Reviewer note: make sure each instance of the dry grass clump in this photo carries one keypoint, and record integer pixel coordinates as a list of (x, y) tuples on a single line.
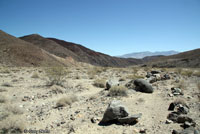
[(57, 89), (93, 71), (100, 83), (66, 100), (12, 125), (56, 75), (118, 91), (187, 73), (35, 75)]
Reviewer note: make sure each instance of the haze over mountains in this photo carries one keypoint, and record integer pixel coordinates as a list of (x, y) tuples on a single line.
[(35, 50), (140, 55)]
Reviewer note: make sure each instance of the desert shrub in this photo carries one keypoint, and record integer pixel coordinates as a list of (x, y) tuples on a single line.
[(35, 75), (92, 72), (66, 100), (57, 89), (118, 91), (12, 125), (187, 73), (56, 75), (100, 83), (6, 84), (179, 70)]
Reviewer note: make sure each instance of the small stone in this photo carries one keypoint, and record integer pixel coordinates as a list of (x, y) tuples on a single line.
[(143, 131), (168, 122)]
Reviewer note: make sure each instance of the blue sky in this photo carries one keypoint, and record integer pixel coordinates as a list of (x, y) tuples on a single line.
[(113, 27)]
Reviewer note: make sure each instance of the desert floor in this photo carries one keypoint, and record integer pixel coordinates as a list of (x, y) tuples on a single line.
[(28, 102)]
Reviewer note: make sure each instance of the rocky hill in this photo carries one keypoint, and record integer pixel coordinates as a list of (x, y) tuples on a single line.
[(16, 52)]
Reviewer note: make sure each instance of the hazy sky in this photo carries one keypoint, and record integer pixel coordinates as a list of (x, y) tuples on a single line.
[(113, 27)]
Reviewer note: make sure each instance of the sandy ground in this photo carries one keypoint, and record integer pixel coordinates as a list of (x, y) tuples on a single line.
[(35, 102)]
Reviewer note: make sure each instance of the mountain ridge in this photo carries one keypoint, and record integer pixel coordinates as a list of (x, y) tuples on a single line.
[(140, 55)]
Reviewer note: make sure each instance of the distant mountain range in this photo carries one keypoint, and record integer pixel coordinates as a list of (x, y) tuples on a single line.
[(140, 55)]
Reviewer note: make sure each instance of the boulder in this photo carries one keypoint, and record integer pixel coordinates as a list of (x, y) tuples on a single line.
[(143, 86), (118, 113), (114, 111), (111, 83)]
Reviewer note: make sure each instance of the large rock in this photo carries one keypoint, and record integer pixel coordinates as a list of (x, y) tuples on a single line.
[(111, 83), (114, 111), (118, 113), (143, 86)]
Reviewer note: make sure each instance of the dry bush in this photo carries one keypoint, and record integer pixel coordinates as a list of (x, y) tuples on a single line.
[(12, 125), (35, 75), (100, 83), (187, 73), (56, 75), (92, 72), (57, 89), (6, 84), (179, 70), (66, 100), (118, 91)]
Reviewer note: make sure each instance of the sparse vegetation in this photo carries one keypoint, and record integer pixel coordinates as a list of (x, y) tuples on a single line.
[(118, 91), (12, 125), (187, 73), (56, 75), (100, 83), (66, 100), (92, 72)]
